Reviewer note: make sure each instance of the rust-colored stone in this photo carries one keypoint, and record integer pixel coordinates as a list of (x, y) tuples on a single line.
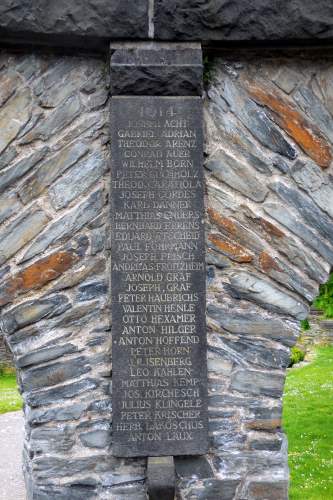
[(267, 263), (301, 131), (268, 424), (235, 252), (271, 228), (222, 222), (37, 275)]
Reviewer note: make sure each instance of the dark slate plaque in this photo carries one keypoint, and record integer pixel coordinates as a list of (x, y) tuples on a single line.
[(159, 367)]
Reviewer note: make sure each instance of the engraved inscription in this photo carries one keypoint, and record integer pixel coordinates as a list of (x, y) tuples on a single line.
[(159, 373)]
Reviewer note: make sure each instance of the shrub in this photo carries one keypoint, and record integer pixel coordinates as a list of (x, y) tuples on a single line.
[(305, 325), (296, 356), (6, 370), (207, 71), (324, 301)]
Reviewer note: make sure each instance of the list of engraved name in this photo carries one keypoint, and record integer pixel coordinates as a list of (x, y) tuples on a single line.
[(158, 273)]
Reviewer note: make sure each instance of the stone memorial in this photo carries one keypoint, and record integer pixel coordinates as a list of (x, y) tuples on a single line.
[(158, 277), (90, 406)]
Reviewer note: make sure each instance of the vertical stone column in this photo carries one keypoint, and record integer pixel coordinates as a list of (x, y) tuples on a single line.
[(158, 262)]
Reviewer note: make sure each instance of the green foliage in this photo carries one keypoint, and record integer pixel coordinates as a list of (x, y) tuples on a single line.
[(324, 301), (207, 71), (6, 370), (305, 325), (10, 399), (296, 356), (308, 422)]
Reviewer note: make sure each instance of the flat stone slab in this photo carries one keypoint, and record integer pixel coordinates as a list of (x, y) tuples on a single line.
[(11, 444), (159, 367)]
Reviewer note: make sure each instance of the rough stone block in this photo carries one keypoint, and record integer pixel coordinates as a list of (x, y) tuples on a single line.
[(81, 23), (156, 69), (237, 20)]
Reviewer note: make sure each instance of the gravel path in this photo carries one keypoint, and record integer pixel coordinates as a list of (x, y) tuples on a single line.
[(11, 439)]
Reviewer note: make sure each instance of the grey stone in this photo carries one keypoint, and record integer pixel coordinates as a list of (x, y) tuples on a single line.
[(32, 311), (52, 440), (98, 240), (13, 116), (63, 78), (29, 66), (67, 225), (97, 100), (228, 437), (213, 489), (78, 315), (250, 287), (87, 129), (264, 441), (70, 493), (42, 398), (47, 467), (45, 354), (237, 175), (49, 170), (78, 179), (249, 462), (91, 291), (61, 414), (315, 109), (256, 120), (306, 207), (316, 183), (294, 281), (251, 324), (4, 270), (238, 139), (280, 164), (9, 205), (187, 467), (16, 171), (235, 20), (57, 120), (134, 491), (267, 488), (7, 156), (216, 259), (20, 231), (298, 255), (36, 116), (259, 352), (283, 215), (97, 434), (257, 382), (101, 406), (81, 23), (53, 374), (9, 82), (155, 69), (286, 78), (96, 439)]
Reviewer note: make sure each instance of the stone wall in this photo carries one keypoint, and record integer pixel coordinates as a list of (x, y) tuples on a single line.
[(269, 227)]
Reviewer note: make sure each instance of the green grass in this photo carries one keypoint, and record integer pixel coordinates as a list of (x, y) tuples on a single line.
[(308, 422), (10, 399)]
